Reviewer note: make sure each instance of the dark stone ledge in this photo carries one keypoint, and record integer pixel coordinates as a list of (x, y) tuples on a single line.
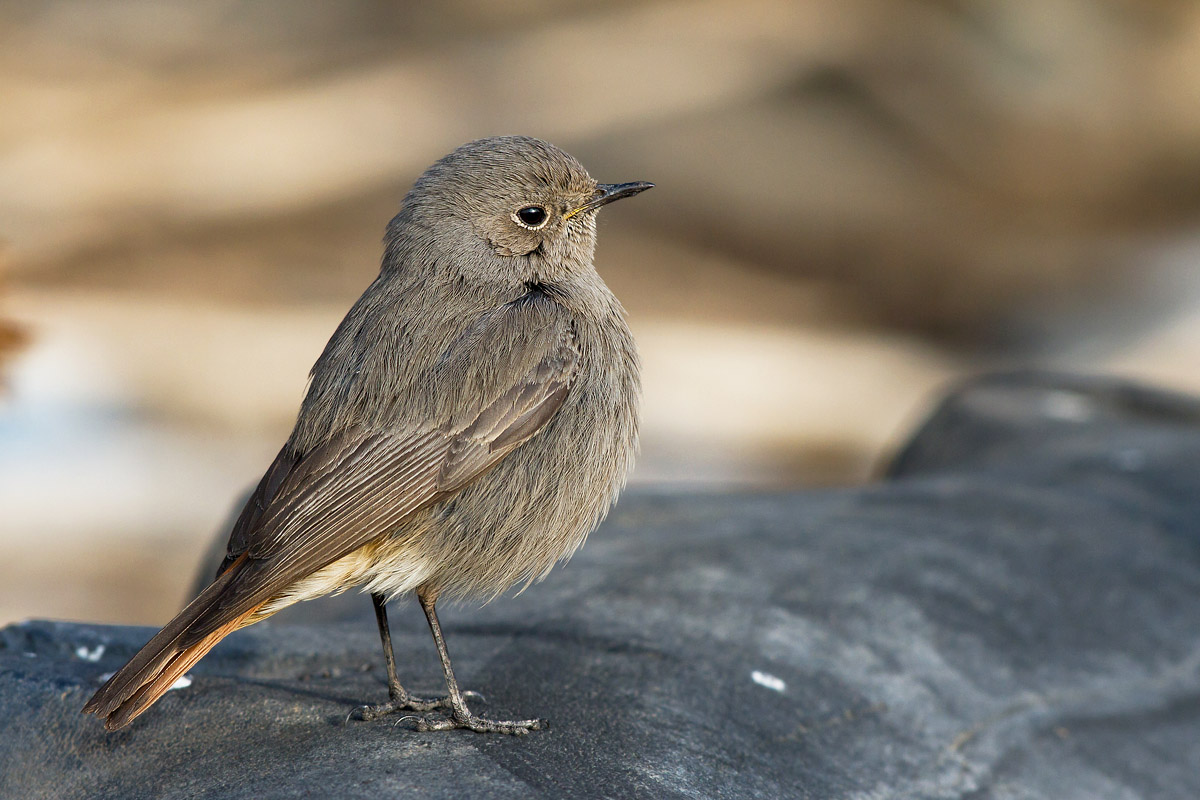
[(1014, 612)]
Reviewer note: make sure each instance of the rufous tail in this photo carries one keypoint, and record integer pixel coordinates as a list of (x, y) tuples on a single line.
[(173, 651)]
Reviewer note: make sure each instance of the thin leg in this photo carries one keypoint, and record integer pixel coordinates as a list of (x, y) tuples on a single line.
[(398, 697), (461, 716)]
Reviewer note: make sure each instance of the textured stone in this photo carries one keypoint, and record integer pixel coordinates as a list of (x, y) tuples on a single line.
[(1013, 613)]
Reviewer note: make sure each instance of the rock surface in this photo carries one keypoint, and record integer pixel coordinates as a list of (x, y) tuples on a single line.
[(1013, 613)]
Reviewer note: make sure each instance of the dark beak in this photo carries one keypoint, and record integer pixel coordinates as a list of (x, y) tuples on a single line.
[(608, 192)]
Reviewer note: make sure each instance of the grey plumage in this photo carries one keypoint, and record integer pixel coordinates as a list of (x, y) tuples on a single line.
[(470, 421)]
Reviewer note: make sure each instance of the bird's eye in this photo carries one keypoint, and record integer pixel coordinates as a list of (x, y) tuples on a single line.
[(532, 216)]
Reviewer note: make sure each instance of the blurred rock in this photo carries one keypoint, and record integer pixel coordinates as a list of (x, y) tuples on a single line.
[(947, 166), (12, 337), (995, 421), (1013, 614)]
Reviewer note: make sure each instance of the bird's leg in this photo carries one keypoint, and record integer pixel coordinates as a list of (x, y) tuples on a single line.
[(398, 697), (460, 715)]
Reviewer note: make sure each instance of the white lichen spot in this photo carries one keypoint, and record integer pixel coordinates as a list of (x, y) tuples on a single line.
[(768, 680), (182, 683), (1067, 406), (92, 655)]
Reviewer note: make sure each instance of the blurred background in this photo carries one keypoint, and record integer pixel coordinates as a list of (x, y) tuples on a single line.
[(858, 202)]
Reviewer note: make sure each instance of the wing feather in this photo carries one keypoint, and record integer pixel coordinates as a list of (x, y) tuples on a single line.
[(309, 511)]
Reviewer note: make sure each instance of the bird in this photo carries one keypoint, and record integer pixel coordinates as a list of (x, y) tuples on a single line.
[(470, 421)]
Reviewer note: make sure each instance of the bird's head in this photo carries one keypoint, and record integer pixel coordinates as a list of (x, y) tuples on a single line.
[(518, 203)]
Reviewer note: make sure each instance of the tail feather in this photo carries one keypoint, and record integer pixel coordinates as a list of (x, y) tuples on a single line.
[(168, 655), (157, 684)]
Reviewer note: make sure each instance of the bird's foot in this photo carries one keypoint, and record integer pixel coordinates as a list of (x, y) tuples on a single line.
[(471, 722), (410, 703), (405, 702)]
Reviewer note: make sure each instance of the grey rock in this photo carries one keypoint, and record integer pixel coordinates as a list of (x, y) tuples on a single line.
[(1013, 613)]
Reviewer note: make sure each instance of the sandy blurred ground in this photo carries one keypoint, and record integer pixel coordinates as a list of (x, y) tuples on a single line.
[(857, 203)]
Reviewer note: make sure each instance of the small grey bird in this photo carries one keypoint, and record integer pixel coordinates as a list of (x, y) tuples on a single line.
[(469, 423)]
